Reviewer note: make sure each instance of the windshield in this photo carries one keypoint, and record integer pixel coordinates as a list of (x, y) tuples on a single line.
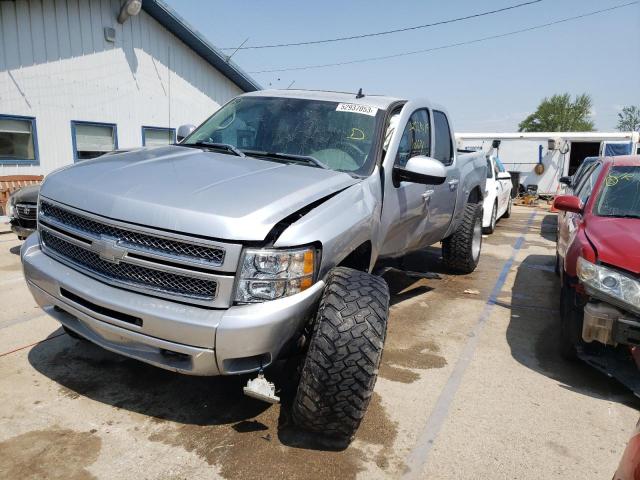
[(620, 196), (337, 135)]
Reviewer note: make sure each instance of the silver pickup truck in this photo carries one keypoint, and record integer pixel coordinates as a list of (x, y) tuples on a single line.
[(255, 238)]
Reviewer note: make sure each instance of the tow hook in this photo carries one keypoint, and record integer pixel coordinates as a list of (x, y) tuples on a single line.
[(262, 389)]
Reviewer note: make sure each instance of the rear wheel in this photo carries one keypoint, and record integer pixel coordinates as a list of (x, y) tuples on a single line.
[(461, 251), (571, 317), (341, 366)]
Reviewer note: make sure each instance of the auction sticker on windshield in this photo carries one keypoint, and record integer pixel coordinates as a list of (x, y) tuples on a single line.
[(354, 108)]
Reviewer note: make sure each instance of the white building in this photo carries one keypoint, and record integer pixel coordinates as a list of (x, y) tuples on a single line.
[(541, 158), (74, 82)]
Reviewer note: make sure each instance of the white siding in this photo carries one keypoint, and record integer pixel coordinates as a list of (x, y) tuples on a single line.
[(56, 66)]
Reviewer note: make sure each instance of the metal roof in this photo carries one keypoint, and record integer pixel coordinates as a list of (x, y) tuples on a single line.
[(378, 101), (573, 136), (169, 19)]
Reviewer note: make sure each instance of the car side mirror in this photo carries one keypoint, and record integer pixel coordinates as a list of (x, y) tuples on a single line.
[(420, 169), (184, 131), (565, 180), (504, 176), (568, 203)]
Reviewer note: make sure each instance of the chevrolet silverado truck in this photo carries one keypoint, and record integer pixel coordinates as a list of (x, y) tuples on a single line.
[(255, 238)]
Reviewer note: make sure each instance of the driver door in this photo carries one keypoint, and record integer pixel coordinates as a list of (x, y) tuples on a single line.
[(405, 210)]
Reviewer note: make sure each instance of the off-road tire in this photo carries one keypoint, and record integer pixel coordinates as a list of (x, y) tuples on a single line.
[(571, 318), (494, 219), (457, 250), (507, 213), (341, 365)]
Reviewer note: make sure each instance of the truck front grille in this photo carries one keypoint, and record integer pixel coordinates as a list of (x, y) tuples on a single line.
[(150, 261), (127, 273), (154, 244), (26, 211)]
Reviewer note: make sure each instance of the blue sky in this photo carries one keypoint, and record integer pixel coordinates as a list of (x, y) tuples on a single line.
[(488, 86)]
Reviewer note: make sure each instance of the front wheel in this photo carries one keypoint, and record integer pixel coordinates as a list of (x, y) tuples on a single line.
[(507, 214), (492, 225), (341, 366), (461, 251), (571, 318)]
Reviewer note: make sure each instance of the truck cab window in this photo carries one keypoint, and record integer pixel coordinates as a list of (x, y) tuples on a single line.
[(443, 149), (416, 138)]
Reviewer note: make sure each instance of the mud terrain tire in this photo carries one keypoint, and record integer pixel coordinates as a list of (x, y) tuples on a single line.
[(341, 366), (460, 252)]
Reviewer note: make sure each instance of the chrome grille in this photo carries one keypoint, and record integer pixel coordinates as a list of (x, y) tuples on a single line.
[(26, 211), (128, 273), (203, 254)]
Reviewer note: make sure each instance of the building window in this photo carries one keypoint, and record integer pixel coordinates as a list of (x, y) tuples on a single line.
[(158, 136), (18, 140), (92, 139)]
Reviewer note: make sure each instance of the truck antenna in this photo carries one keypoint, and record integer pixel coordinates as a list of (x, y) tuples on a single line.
[(359, 94)]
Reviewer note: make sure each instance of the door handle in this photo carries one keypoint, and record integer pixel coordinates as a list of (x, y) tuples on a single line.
[(453, 184)]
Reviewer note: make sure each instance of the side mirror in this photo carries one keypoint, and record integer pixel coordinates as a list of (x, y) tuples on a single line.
[(184, 131), (568, 203), (565, 180), (504, 176), (420, 169)]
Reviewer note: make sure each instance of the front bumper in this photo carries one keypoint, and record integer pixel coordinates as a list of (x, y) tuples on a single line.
[(22, 228), (609, 325), (170, 335)]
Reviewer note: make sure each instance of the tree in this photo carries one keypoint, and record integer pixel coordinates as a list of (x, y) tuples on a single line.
[(629, 119), (560, 114)]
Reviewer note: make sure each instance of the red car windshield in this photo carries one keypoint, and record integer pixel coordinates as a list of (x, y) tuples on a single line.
[(620, 195)]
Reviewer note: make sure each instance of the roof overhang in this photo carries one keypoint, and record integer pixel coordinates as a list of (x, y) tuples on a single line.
[(169, 19)]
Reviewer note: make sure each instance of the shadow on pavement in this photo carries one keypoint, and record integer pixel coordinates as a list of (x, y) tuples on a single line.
[(533, 332), (549, 227), (15, 250), (84, 369)]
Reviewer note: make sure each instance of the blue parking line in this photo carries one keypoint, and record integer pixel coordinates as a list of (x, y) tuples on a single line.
[(418, 457)]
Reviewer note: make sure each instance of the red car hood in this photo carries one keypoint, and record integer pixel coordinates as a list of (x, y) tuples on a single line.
[(617, 241)]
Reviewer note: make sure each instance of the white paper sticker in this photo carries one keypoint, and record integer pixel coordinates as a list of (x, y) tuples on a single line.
[(354, 108)]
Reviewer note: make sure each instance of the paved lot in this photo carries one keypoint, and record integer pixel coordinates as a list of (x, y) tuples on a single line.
[(471, 386)]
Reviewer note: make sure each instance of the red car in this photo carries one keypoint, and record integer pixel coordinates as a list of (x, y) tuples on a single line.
[(629, 468), (598, 259)]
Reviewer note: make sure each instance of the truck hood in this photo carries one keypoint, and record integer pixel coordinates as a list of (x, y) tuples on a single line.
[(617, 241), (193, 191), (28, 194)]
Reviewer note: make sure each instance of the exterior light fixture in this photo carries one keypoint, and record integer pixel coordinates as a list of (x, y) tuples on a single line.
[(130, 8)]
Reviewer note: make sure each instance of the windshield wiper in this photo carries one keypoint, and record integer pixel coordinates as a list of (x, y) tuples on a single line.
[(218, 146), (288, 156)]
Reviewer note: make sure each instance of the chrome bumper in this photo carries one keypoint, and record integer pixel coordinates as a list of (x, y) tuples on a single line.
[(170, 335)]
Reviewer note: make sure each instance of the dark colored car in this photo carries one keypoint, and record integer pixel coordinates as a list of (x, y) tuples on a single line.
[(22, 211), (598, 259)]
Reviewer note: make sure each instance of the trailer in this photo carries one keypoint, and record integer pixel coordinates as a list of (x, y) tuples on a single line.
[(539, 159)]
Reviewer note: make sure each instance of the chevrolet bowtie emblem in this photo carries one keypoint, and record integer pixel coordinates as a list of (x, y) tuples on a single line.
[(108, 250)]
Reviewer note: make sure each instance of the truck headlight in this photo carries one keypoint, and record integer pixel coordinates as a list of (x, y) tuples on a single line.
[(610, 282), (268, 274)]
